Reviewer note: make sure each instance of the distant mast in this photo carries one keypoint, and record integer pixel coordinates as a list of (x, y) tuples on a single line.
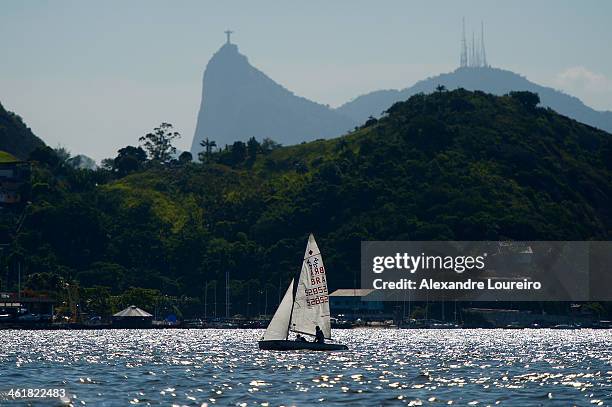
[(474, 61), (464, 57), (483, 54), (473, 55), (228, 34)]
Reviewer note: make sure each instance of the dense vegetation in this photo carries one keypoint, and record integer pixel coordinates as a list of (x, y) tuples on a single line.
[(450, 165), (15, 137)]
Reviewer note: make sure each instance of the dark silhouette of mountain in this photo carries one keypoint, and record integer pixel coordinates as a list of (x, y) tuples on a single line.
[(490, 80), (82, 162), (240, 102), (15, 137)]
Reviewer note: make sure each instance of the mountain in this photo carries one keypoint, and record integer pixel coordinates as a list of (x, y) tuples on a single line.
[(15, 137), (454, 165), (490, 80), (239, 102), (83, 162)]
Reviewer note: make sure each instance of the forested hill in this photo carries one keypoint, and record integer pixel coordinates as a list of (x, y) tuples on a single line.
[(449, 165), (15, 137)]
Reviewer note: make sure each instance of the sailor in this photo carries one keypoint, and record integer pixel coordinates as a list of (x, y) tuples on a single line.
[(319, 337), (300, 338)]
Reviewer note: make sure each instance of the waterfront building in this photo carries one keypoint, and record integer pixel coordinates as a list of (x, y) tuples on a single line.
[(19, 308), (353, 303)]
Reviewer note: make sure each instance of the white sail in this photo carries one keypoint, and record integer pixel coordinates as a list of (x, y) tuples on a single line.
[(311, 303), (279, 325)]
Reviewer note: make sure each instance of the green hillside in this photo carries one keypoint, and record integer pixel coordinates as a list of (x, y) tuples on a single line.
[(450, 165), (7, 157), (15, 137)]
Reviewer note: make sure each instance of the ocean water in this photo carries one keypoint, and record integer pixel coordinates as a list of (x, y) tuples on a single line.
[(383, 367)]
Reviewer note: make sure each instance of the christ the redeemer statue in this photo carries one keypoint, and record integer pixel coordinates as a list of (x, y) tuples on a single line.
[(228, 33)]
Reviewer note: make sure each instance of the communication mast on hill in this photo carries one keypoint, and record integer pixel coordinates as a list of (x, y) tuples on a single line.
[(483, 53), (473, 56), (464, 57)]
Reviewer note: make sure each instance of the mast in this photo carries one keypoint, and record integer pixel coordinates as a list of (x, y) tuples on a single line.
[(227, 305), (464, 57), (19, 280), (291, 313), (482, 45), (205, 298), (473, 52), (293, 299)]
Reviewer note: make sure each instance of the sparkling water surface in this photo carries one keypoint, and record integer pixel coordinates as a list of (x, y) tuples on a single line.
[(382, 367)]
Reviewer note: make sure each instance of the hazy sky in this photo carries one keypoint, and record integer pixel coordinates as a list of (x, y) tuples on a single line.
[(94, 76)]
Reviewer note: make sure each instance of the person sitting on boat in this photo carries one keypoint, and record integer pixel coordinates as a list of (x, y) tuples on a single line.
[(300, 338), (319, 337)]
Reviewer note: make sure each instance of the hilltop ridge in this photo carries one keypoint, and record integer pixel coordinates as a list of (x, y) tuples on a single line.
[(491, 80), (15, 137)]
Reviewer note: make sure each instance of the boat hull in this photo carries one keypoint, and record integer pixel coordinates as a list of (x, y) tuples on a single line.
[(299, 345)]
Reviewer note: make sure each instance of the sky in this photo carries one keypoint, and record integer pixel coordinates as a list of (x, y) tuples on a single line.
[(93, 76)]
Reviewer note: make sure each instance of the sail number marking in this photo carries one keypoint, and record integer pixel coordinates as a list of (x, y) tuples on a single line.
[(316, 301), (315, 290), (318, 293)]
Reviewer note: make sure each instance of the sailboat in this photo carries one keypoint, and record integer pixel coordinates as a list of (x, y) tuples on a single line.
[(304, 307)]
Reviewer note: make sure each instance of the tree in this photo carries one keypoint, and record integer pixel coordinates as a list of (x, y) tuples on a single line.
[(107, 164), (268, 145), (239, 152), (137, 152), (44, 282), (103, 274), (185, 157), (529, 100), (606, 153), (96, 301), (129, 159), (158, 144), (143, 298), (45, 155), (252, 149), (208, 148), (62, 153), (371, 121)]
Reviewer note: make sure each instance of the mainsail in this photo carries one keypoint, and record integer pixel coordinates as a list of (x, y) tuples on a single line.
[(311, 301), (279, 325)]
